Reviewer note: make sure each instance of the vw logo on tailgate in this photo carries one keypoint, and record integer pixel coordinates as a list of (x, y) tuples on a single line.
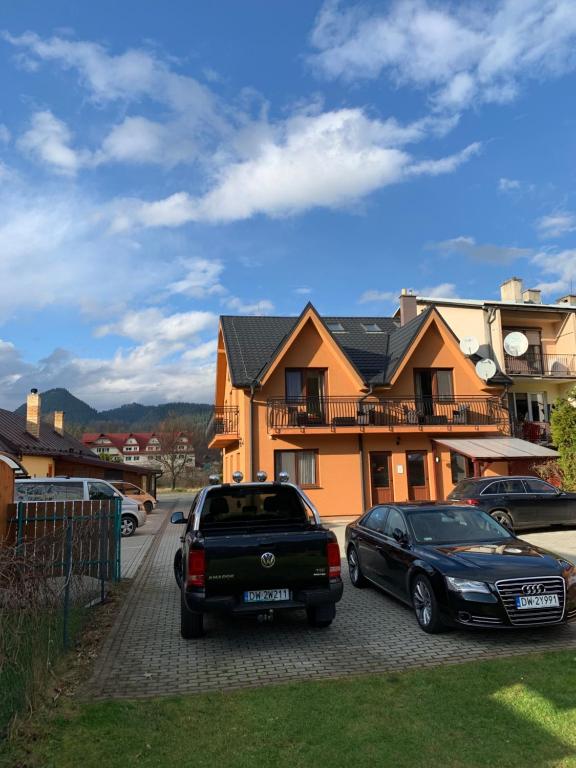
[(267, 559), (533, 589)]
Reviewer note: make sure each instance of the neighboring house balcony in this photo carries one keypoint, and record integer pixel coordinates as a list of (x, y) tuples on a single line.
[(222, 429), (535, 363), (348, 414), (533, 431)]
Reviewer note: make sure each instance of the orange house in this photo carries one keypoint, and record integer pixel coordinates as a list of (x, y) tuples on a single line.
[(355, 409)]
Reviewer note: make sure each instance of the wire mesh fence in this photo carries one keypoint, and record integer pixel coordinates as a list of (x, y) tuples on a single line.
[(57, 561)]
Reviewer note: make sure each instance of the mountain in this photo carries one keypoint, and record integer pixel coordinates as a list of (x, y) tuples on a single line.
[(76, 410), (127, 418)]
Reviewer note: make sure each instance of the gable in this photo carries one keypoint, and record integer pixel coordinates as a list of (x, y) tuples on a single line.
[(311, 345), (435, 346)]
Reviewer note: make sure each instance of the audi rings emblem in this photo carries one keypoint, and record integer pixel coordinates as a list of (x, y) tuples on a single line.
[(533, 589), (267, 559)]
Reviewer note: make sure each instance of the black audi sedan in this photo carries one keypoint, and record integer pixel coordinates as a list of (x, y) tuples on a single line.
[(457, 566), (518, 502)]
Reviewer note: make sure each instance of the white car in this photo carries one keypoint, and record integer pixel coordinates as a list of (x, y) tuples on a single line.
[(80, 489)]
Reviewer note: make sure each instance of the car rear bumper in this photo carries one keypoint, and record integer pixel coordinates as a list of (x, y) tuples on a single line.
[(301, 598)]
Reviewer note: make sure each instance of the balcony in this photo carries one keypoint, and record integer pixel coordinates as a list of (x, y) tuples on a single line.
[(352, 414), (533, 431), (222, 429), (541, 364)]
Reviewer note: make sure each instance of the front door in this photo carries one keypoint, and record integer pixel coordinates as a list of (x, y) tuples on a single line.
[(380, 477), (418, 489)]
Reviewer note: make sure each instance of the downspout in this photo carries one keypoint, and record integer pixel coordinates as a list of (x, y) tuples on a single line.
[(251, 432), (361, 451)]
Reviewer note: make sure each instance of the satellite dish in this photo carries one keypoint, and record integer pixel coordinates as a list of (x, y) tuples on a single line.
[(516, 344), (469, 345), (486, 368)]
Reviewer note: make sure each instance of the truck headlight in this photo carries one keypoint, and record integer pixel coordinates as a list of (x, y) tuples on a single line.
[(466, 585)]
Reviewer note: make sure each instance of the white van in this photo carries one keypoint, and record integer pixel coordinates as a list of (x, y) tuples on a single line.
[(80, 489)]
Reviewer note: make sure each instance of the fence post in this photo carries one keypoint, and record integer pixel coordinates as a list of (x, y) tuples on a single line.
[(20, 525), (67, 576), (105, 565), (117, 526)]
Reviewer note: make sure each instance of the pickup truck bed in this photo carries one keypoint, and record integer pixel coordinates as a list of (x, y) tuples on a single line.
[(255, 548)]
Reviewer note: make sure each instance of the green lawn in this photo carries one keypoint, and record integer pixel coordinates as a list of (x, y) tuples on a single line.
[(515, 712)]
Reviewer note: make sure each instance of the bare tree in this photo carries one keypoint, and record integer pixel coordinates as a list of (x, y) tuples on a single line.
[(176, 447)]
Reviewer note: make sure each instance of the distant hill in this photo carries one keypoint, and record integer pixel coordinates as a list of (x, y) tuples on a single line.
[(127, 418)]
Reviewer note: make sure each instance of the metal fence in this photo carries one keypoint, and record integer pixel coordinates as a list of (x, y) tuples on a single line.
[(57, 562)]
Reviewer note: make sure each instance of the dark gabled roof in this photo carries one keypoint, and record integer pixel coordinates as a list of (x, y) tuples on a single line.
[(253, 343), (16, 440)]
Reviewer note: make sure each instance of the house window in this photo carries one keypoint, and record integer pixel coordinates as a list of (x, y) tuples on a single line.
[(301, 466), (335, 327), (434, 383), (371, 327), (461, 467)]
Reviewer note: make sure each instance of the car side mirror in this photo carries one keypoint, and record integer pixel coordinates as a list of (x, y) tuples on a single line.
[(400, 536), (178, 518)]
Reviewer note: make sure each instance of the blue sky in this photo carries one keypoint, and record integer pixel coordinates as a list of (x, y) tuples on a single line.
[(161, 164)]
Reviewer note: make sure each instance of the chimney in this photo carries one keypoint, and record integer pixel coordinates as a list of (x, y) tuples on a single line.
[(511, 290), (532, 296), (33, 413), (59, 422), (408, 307), (570, 299)]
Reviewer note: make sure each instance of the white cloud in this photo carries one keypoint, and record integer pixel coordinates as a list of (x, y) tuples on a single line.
[(328, 160), (239, 306), (4, 134), (560, 265), (508, 185), (153, 326), (441, 291), (131, 76), (303, 290), (467, 246), (556, 224), (465, 54), (48, 139), (202, 278), (373, 296), (196, 119)]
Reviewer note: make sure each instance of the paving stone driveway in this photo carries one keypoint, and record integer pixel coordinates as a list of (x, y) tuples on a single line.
[(145, 655)]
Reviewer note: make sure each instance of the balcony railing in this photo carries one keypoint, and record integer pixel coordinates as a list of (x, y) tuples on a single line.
[(533, 431), (541, 364), (351, 412), (224, 421)]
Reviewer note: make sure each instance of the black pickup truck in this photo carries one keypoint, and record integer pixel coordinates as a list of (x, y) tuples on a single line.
[(255, 548)]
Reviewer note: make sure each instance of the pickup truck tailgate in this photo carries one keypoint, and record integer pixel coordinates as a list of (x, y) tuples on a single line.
[(275, 560)]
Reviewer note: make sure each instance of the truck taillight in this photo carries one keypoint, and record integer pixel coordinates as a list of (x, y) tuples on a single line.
[(333, 552), (196, 568)]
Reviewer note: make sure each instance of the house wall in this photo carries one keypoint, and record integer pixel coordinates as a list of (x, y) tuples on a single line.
[(38, 466)]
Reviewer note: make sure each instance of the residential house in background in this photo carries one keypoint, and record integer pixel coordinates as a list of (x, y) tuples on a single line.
[(358, 410), (544, 372), (45, 450), (136, 448)]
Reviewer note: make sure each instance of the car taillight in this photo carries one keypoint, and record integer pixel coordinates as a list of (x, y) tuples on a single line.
[(472, 502), (196, 568), (333, 552)]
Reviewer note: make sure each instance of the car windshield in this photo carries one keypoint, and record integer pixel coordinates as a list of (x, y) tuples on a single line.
[(452, 525), (248, 506)]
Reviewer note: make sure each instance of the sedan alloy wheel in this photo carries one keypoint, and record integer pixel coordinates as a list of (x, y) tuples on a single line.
[(425, 605)]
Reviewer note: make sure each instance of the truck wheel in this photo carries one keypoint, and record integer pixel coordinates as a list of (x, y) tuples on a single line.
[(178, 567), (321, 617), (128, 525), (191, 622)]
